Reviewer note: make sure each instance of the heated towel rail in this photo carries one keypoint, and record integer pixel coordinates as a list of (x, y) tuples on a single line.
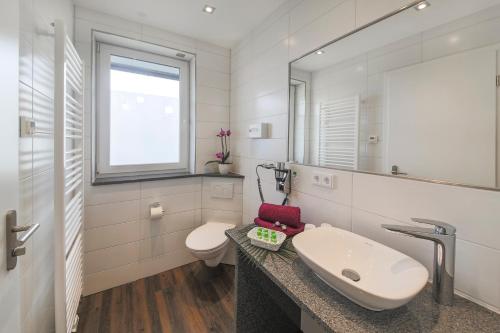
[(68, 169), (338, 133)]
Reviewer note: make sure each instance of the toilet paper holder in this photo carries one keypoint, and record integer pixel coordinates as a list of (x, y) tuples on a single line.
[(156, 211)]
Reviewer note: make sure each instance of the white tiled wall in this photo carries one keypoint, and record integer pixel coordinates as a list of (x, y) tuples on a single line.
[(36, 179), (358, 202), (121, 243), (212, 74)]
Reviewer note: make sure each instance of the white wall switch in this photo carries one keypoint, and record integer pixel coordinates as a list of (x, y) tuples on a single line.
[(258, 131), (373, 139), (221, 190)]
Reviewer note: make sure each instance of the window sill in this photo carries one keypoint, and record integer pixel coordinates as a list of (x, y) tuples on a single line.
[(147, 178)]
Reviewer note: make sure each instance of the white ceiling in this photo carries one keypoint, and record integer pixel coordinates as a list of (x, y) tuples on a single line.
[(230, 22)]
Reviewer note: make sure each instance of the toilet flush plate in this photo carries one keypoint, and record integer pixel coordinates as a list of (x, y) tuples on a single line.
[(221, 190)]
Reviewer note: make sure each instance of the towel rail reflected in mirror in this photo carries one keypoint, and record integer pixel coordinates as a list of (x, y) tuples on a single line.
[(414, 95)]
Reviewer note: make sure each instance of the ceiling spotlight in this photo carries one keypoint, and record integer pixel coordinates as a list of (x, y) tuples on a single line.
[(422, 5), (209, 9), (320, 52)]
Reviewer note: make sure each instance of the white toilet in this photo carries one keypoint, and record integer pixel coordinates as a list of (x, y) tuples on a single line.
[(208, 242)]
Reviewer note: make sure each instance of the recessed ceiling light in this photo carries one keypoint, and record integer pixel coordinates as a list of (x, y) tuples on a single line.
[(209, 9), (320, 52), (422, 5)]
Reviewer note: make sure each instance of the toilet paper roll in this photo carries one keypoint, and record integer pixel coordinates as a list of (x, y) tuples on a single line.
[(326, 225), (156, 211), (309, 226)]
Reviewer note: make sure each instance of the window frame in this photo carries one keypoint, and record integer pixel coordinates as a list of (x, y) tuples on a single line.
[(104, 169)]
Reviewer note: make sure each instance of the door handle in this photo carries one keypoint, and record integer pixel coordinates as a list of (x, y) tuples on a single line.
[(14, 245), (30, 230)]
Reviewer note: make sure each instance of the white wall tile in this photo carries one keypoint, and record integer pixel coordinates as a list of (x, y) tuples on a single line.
[(223, 216), (205, 76), (359, 202), (165, 262), (308, 11), (208, 130), (163, 244), (95, 195), (212, 96), (94, 16), (316, 210), (111, 278), (334, 24), (473, 212), (25, 143), (172, 203), (26, 23), (168, 187), (476, 272), (213, 61), (170, 223), (111, 235), (110, 257), (368, 11), (43, 57), (111, 213), (342, 184), (234, 204)]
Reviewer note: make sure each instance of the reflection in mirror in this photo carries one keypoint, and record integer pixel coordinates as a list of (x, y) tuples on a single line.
[(413, 95)]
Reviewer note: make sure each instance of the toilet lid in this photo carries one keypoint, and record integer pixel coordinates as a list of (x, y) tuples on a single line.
[(208, 236)]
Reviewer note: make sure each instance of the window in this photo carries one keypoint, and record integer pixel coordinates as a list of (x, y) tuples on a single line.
[(142, 113)]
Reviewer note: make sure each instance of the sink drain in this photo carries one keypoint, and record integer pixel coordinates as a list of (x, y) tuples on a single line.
[(351, 274)]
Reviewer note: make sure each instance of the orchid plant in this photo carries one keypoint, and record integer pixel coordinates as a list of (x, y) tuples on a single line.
[(223, 155)]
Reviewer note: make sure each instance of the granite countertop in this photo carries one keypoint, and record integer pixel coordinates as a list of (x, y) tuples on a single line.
[(336, 313)]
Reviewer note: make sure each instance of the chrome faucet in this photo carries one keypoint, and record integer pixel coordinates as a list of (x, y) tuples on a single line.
[(444, 238)]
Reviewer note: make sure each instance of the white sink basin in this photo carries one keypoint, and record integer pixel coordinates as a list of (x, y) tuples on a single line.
[(386, 278)]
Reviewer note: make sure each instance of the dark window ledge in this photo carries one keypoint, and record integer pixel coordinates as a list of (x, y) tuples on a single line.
[(147, 178)]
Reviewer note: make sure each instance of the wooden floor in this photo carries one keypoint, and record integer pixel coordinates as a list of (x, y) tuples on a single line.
[(192, 298)]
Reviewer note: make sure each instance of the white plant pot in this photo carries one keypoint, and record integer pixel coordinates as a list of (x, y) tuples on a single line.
[(224, 169), (211, 168)]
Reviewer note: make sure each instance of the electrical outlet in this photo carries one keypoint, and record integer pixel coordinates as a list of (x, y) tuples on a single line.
[(316, 179), (322, 179), (327, 180)]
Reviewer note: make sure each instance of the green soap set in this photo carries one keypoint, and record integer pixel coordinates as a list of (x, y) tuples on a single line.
[(266, 238)]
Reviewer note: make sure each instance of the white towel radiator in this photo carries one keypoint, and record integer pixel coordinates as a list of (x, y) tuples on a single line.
[(338, 133), (68, 169)]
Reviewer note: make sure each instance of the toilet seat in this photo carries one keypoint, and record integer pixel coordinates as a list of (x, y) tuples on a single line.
[(208, 237)]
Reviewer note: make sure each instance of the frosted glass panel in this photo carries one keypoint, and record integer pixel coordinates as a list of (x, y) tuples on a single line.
[(145, 113)]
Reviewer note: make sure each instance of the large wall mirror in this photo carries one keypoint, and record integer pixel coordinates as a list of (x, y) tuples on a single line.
[(414, 95)]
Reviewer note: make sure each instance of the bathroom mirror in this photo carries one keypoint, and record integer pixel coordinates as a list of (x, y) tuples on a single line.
[(413, 95)]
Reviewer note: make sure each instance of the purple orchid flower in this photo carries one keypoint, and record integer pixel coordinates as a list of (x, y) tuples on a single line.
[(222, 133)]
